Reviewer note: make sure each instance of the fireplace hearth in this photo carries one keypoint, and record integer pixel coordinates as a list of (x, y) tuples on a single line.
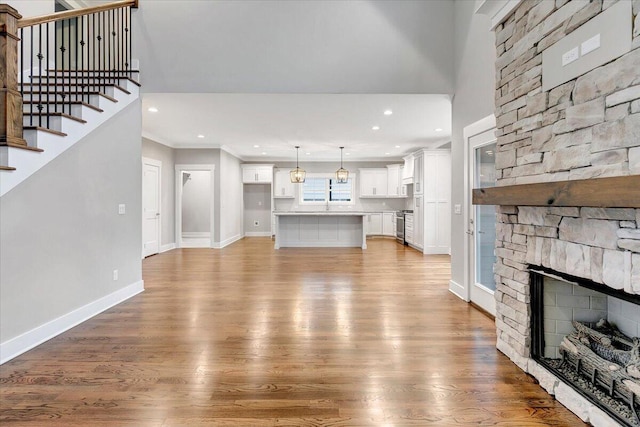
[(587, 336)]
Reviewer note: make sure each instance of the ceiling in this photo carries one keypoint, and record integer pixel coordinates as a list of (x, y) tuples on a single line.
[(318, 123), (277, 73)]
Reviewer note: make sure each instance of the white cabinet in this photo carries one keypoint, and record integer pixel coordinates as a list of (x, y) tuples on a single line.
[(437, 201), (257, 174), (408, 228), (407, 172), (418, 167), (395, 187), (389, 223), (418, 222), (373, 224), (373, 182), (283, 188)]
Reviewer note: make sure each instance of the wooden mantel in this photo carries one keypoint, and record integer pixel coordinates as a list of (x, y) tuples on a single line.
[(616, 192)]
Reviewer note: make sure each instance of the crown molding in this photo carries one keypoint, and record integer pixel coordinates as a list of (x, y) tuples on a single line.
[(497, 10)]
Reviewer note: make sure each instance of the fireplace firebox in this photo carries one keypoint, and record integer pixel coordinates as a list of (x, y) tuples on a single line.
[(587, 335)]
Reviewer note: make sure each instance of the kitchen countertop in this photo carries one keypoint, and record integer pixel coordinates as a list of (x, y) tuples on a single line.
[(320, 213)]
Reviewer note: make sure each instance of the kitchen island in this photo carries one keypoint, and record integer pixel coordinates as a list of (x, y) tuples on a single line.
[(320, 229)]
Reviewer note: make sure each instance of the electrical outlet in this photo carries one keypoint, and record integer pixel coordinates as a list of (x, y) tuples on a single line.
[(115, 274), (569, 56), (457, 209), (256, 223), (122, 209)]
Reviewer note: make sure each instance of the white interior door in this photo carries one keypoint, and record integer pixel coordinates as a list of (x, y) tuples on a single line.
[(150, 207), (482, 222)]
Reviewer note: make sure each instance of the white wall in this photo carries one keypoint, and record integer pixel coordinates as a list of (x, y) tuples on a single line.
[(231, 215), (196, 202), (30, 8), (61, 233), (257, 207), (473, 100), (166, 155), (281, 46)]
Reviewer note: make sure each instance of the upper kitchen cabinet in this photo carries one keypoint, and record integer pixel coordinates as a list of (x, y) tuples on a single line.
[(407, 171), (373, 182), (257, 174), (418, 168), (395, 187), (283, 188)]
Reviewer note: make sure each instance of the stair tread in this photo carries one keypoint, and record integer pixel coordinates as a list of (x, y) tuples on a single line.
[(7, 168), (20, 146), (63, 103), (55, 114), (40, 128), (75, 92), (62, 91), (49, 78), (53, 70)]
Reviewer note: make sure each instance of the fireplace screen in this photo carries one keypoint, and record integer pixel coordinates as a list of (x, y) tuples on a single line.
[(588, 337)]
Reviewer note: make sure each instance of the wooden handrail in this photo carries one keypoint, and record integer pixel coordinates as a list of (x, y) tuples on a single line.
[(58, 16)]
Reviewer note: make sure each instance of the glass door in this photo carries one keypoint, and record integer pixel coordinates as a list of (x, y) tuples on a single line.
[(482, 226)]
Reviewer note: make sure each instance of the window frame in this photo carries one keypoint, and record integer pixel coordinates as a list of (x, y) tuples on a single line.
[(327, 191)]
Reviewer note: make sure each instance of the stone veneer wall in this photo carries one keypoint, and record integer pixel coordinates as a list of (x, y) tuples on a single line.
[(586, 128)]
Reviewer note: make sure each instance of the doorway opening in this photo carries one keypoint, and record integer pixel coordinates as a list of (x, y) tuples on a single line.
[(194, 206)]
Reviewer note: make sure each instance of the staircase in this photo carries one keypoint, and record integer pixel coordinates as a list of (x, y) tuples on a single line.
[(72, 73)]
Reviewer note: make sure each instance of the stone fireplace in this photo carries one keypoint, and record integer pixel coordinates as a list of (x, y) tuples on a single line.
[(586, 128)]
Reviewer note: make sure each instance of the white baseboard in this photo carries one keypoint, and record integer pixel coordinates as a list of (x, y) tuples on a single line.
[(167, 247), (30, 339), (196, 234), (457, 289), (227, 242), (258, 234)]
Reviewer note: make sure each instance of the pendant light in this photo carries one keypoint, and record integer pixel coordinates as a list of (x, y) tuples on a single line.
[(297, 175), (342, 175)]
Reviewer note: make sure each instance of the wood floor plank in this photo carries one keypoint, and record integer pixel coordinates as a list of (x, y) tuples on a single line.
[(250, 336)]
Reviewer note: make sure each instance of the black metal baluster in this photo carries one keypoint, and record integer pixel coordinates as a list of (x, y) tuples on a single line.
[(78, 84), (55, 67), (70, 86), (121, 12), (130, 42), (47, 85), (93, 51), (109, 36), (31, 80), (100, 53), (84, 82), (22, 64), (40, 106), (62, 68)]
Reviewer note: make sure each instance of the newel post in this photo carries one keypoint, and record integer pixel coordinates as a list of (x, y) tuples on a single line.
[(10, 97)]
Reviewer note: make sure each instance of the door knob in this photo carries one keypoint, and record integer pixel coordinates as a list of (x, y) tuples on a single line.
[(470, 232)]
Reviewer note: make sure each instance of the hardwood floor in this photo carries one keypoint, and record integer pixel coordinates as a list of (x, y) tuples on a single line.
[(250, 336)]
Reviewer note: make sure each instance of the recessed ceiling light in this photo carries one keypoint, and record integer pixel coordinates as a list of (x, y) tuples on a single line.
[(200, 136), (264, 154), (386, 154), (376, 128), (256, 146), (153, 110), (397, 146), (308, 154), (438, 129), (347, 154), (388, 112)]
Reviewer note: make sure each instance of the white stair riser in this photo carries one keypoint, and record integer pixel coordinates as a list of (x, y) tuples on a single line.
[(90, 99), (73, 110)]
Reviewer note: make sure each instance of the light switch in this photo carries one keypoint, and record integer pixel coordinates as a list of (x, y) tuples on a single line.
[(457, 209), (121, 209), (590, 45), (569, 56)]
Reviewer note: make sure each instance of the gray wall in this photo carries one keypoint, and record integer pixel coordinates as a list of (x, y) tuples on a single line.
[(231, 214), (257, 207), (167, 156), (474, 64), (62, 236), (196, 202), (298, 46)]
